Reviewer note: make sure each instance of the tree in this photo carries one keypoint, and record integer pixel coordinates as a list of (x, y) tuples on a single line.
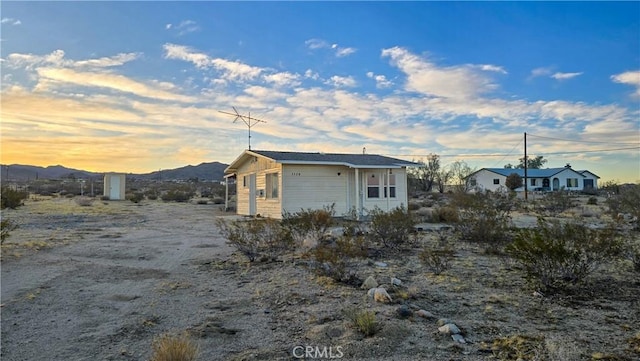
[(513, 181), (427, 173), (443, 177), (460, 172), (532, 163)]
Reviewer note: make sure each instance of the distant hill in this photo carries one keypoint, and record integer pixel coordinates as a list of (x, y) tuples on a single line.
[(19, 172)]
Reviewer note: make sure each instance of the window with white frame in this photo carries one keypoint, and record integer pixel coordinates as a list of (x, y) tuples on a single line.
[(373, 186), (533, 181), (496, 181), (391, 182), (272, 185)]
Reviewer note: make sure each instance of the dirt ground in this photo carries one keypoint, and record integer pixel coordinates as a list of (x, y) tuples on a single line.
[(101, 282)]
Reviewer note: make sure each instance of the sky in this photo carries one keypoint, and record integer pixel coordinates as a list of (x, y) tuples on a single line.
[(141, 86)]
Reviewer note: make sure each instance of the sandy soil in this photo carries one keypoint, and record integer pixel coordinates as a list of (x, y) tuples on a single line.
[(100, 282)]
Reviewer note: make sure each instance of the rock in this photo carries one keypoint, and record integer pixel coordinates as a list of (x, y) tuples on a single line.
[(370, 282), (449, 329), (395, 281), (443, 321), (381, 295), (404, 311), (458, 338), (425, 314), (380, 264), (371, 292)]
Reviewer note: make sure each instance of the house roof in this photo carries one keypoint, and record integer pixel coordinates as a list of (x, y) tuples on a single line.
[(531, 173), (349, 160)]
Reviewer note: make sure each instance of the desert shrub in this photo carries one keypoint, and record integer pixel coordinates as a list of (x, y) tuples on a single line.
[(627, 201), (84, 201), (438, 258), (592, 201), (217, 200), (11, 198), (363, 320), (555, 255), (485, 218), (174, 348), (177, 195), (446, 214), (105, 198), (309, 223), (335, 259), (258, 238), (556, 202), (413, 206), (6, 227), (392, 228), (518, 347), (135, 197)]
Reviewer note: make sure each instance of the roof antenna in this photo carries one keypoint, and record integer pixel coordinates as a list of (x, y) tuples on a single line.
[(364, 150), (247, 119)]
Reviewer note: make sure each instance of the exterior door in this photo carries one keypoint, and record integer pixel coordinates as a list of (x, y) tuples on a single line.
[(114, 187), (556, 184), (252, 194)]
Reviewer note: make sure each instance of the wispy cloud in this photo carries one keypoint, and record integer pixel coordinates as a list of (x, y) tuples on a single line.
[(314, 44), (542, 71), (493, 68), (57, 59), (10, 21), (426, 77), (565, 76), (381, 81), (184, 27), (341, 81), (630, 78)]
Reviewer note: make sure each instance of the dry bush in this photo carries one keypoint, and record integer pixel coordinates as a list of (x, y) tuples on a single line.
[(335, 259), (556, 202), (310, 223), (392, 228), (627, 201), (555, 255), (6, 226), (84, 201), (485, 218), (11, 198), (438, 258), (258, 238), (519, 347), (363, 320), (174, 348), (446, 214)]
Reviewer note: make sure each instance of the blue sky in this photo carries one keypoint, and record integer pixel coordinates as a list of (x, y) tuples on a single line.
[(138, 86)]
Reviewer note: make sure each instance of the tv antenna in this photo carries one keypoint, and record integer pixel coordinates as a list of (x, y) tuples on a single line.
[(248, 120)]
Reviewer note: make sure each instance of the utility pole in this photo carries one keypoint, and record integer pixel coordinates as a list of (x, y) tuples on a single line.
[(525, 167)]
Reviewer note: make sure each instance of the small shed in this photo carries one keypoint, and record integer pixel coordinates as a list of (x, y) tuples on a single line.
[(114, 186), (271, 183)]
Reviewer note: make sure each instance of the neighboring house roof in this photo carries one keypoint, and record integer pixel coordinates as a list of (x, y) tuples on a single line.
[(531, 173), (586, 171), (349, 160)]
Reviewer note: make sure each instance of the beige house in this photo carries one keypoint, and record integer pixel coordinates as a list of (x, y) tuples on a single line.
[(114, 186), (270, 183)]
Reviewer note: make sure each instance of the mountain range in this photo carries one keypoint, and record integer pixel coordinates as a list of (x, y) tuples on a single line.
[(213, 171)]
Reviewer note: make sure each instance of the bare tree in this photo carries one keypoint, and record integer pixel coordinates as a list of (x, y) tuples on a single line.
[(460, 172), (427, 174)]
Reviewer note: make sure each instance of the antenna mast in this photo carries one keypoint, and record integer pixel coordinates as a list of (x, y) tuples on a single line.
[(247, 119)]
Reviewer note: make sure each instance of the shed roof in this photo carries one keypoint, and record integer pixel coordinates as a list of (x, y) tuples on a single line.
[(349, 160)]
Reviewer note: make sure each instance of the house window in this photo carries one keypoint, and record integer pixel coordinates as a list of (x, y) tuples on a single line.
[(496, 181), (533, 181), (473, 182), (245, 181), (392, 186), (373, 186), (272, 185), (572, 182)]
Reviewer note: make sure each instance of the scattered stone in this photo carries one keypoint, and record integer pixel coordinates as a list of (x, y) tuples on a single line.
[(458, 338), (380, 264), (449, 329), (404, 311), (425, 314), (395, 281), (379, 294), (371, 292), (369, 283), (443, 321)]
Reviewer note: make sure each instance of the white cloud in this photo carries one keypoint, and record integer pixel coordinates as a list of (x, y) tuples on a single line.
[(185, 27), (314, 44), (283, 79), (57, 59), (168, 26), (341, 81), (564, 76), (311, 74), (381, 81), (540, 72), (116, 60), (494, 68), (10, 21), (461, 81), (630, 78)]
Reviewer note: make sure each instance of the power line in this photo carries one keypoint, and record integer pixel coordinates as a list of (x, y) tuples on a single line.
[(575, 141), (510, 152), (505, 154)]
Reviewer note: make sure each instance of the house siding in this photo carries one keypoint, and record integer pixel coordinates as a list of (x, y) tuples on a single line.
[(315, 187), (266, 207), (385, 204)]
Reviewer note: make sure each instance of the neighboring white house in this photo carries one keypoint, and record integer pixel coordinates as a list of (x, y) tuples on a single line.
[(537, 179), (114, 186), (270, 183)]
